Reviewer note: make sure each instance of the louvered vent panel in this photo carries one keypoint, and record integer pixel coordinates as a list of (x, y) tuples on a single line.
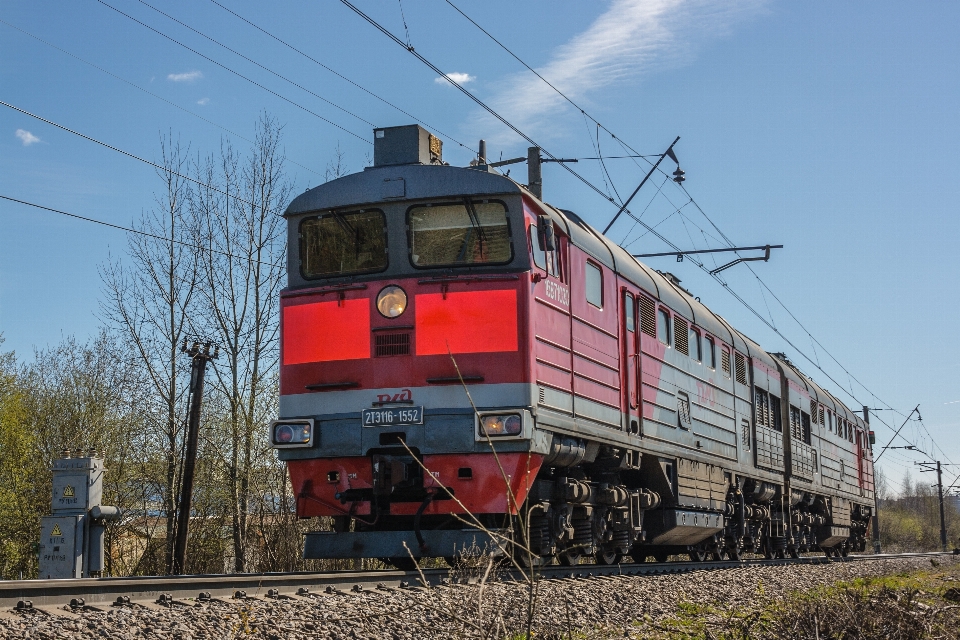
[(680, 335), (648, 317), (392, 344), (762, 407), (725, 362), (820, 411), (795, 430), (741, 368), (813, 409)]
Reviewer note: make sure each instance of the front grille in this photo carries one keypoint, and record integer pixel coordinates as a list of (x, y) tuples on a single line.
[(391, 344)]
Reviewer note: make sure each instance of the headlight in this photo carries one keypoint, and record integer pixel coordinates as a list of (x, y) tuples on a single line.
[(391, 301), (501, 425), (292, 434)]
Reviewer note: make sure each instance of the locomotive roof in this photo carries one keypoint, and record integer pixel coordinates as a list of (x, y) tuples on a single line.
[(376, 185)]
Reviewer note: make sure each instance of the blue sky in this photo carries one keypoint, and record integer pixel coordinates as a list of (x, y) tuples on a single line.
[(831, 128)]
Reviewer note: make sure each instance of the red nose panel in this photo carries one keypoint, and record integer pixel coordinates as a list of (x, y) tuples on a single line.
[(469, 322), (322, 331)]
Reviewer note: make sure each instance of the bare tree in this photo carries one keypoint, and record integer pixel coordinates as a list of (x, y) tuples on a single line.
[(242, 273), (150, 305), (337, 166)]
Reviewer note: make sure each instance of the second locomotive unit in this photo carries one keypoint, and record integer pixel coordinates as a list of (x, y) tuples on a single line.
[(462, 363)]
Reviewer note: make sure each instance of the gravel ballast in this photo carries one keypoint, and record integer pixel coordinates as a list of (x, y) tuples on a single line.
[(607, 607)]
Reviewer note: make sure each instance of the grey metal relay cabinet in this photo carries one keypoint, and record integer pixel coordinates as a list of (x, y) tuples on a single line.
[(71, 539)]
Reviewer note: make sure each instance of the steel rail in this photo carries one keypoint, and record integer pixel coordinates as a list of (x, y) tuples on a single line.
[(102, 593)]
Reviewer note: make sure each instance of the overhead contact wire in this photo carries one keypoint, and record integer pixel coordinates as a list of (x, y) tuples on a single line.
[(149, 93), (139, 232), (128, 154), (337, 73), (236, 73)]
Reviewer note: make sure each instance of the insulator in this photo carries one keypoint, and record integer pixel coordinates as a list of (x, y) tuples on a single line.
[(678, 175)]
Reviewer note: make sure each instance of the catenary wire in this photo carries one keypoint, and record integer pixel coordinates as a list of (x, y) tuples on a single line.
[(149, 93), (599, 125), (254, 62), (337, 73), (547, 82), (474, 98), (129, 155), (142, 233), (636, 154), (236, 73), (593, 187)]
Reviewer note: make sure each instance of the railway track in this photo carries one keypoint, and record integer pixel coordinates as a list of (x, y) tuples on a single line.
[(102, 593)]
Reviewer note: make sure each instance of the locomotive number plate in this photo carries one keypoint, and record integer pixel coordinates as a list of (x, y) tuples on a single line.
[(392, 417)]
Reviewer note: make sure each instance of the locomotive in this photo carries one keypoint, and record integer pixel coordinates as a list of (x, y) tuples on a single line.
[(463, 365)]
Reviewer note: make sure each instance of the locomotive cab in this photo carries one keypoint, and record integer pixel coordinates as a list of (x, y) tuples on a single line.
[(405, 359)]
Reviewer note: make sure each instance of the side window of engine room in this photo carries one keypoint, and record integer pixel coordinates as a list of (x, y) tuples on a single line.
[(663, 327)]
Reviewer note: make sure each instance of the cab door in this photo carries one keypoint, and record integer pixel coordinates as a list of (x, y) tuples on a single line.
[(631, 359)]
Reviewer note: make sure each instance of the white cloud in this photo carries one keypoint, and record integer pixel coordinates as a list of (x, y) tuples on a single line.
[(459, 78), (203, 101), (630, 39), (26, 137), (189, 76)]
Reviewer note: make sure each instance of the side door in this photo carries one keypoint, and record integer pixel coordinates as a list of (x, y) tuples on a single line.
[(631, 363)]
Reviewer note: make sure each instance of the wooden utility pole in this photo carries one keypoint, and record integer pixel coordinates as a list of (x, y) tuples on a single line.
[(199, 355)]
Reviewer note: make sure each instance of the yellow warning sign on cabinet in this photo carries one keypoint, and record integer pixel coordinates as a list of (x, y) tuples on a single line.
[(56, 530), (68, 491)]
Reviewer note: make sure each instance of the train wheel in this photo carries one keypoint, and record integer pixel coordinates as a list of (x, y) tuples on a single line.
[(716, 556), (794, 554), (569, 558), (697, 555), (734, 554), (661, 556), (609, 557), (844, 550)]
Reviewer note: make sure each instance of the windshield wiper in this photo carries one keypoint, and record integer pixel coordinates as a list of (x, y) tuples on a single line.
[(346, 226), (475, 223)]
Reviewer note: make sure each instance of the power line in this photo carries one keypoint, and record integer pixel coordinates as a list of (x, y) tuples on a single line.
[(254, 62), (547, 82), (650, 229), (130, 155), (600, 125), (136, 86), (236, 73), (336, 73), (139, 232), (470, 95)]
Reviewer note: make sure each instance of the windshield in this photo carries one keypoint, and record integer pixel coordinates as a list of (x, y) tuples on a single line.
[(459, 234), (335, 244)]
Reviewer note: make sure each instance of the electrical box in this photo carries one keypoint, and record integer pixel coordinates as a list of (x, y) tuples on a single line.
[(408, 144), (71, 539), (61, 537)]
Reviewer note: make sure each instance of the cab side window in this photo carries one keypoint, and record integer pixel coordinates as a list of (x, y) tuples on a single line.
[(629, 311), (539, 255), (594, 286)]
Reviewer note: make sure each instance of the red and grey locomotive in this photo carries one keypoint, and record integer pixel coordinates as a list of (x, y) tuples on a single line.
[(461, 361)]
